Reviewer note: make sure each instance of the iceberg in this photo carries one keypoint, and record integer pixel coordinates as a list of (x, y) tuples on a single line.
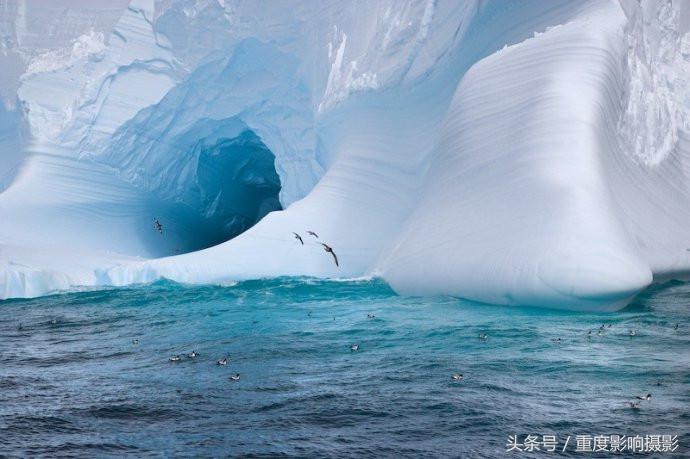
[(517, 153)]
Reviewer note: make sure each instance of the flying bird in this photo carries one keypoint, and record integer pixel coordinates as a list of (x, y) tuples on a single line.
[(299, 238), (311, 233), (158, 225), (329, 249)]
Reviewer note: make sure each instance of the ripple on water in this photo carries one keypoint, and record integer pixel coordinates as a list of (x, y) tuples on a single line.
[(73, 383)]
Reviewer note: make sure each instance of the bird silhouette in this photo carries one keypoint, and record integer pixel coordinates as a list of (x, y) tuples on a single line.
[(299, 238), (329, 249)]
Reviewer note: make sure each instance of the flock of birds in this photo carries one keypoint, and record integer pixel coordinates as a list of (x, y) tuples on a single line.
[(194, 354), (635, 404), (355, 347), (455, 377), (326, 247)]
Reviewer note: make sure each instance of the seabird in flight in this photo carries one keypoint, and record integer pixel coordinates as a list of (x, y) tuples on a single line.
[(329, 249), (311, 233), (158, 225), (299, 238)]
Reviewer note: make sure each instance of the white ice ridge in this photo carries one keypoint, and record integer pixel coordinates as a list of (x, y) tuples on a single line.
[(519, 153)]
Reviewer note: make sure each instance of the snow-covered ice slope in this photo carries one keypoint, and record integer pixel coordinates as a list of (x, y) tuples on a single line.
[(525, 152)]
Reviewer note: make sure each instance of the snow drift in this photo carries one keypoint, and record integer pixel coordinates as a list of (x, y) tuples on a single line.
[(526, 153)]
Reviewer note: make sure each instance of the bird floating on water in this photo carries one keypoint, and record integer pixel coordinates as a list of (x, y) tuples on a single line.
[(235, 377), (223, 361), (175, 358), (354, 347), (483, 336), (135, 341), (371, 316), (632, 333), (456, 377), (311, 233), (192, 355), (556, 340), (634, 405), (644, 397), (299, 238), (329, 249), (675, 327)]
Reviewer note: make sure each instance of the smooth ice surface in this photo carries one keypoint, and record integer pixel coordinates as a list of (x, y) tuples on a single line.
[(526, 153)]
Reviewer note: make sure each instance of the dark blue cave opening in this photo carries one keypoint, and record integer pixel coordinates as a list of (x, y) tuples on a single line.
[(237, 183)]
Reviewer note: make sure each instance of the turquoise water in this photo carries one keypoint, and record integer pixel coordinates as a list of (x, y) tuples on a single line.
[(72, 383)]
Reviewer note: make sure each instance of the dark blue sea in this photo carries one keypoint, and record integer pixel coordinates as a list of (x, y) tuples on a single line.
[(74, 383)]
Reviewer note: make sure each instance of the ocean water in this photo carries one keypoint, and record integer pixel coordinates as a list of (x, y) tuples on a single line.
[(73, 383)]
